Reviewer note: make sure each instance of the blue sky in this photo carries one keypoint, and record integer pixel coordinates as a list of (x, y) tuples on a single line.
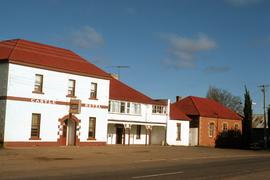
[(173, 47)]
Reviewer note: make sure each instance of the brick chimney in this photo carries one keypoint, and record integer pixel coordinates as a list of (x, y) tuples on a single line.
[(178, 98)]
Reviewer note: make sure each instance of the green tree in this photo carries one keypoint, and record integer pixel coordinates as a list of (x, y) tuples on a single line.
[(226, 98), (247, 121)]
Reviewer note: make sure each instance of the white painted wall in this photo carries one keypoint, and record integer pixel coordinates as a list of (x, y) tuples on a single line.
[(111, 137), (158, 135), (55, 86), (172, 133), (22, 78), (193, 137)]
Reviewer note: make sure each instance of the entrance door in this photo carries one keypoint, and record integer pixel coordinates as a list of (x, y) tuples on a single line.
[(71, 133), (119, 134)]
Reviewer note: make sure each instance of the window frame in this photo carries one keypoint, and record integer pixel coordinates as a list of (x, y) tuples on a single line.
[(36, 127), (211, 131), (93, 92), (223, 127), (122, 107), (137, 109), (38, 90), (178, 131), (73, 88), (236, 126), (92, 128), (159, 109)]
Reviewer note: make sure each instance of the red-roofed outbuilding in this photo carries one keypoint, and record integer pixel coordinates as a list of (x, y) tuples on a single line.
[(209, 118)]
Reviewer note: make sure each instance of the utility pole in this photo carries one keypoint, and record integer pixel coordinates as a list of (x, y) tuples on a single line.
[(264, 89)]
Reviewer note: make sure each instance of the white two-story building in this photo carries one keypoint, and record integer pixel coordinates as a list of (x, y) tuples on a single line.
[(135, 118), (50, 96)]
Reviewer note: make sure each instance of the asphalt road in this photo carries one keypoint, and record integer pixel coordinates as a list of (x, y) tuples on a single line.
[(243, 168), (134, 163)]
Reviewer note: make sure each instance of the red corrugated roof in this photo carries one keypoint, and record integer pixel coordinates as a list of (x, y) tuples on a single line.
[(205, 107), (177, 114), (122, 92), (48, 57)]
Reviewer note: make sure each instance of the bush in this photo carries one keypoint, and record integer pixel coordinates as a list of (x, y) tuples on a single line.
[(229, 139)]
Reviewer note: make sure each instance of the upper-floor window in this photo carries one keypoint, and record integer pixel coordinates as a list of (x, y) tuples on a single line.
[(71, 87), (137, 108), (128, 107), (38, 83), (93, 91), (211, 129), (35, 126), (124, 107), (157, 109)]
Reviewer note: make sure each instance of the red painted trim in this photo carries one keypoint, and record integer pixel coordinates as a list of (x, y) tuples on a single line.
[(29, 144), (34, 138), (74, 118), (47, 144), (92, 143), (55, 102)]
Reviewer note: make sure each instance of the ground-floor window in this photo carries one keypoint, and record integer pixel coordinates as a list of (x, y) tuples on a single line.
[(236, 126), (138, 131), (225, 126), (92, 127), (178, 131), (211, 129), (35, 127)]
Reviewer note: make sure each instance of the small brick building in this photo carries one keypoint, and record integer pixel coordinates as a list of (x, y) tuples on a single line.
[(209, 118)]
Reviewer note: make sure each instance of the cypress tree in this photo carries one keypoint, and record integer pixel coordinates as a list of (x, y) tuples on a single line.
[(247, 121), (268, 122)]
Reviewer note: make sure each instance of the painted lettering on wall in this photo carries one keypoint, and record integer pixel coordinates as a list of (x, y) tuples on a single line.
[(93, 106), (43, 101)]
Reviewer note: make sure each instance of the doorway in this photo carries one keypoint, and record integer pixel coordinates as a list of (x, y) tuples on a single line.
[(119, 133), (70, 132)]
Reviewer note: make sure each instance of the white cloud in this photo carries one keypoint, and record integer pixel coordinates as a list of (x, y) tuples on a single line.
[(241, 3), (87, 38), (182, 50)]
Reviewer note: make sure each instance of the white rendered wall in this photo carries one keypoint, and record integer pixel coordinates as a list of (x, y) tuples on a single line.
[(55, 85), (111, 138), (172, 133), (145, 116), (158, 135)]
